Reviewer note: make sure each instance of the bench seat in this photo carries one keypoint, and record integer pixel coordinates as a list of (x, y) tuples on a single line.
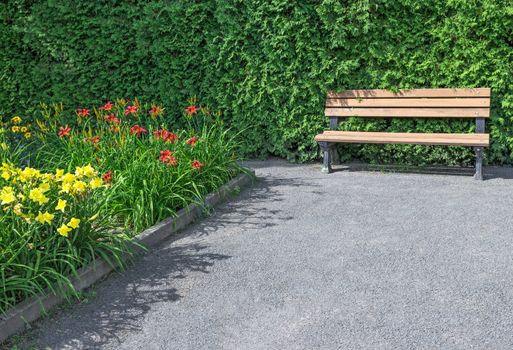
[(475, 140)]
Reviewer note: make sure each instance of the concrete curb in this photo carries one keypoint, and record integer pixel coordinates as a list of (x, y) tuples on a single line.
[(18, 319)]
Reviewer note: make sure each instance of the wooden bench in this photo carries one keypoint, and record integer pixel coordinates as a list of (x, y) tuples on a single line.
[(418, 103)]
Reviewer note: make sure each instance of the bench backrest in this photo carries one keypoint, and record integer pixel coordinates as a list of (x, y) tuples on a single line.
[(416, 103)]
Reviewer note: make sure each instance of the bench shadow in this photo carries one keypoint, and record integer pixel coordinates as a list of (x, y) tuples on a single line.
[(489, 173), (496, 172)]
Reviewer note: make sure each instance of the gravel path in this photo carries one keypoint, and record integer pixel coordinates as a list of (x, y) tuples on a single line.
[(350, 260)]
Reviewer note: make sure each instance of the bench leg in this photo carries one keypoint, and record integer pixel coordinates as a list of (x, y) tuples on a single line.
[(326, 150), (335, 160), (479, 163)]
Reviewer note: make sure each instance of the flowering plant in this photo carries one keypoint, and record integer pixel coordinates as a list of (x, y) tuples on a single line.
[(53, 219), (30, 197), (96, 176)]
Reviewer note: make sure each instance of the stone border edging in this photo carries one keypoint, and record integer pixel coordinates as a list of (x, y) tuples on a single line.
[(18, 318)]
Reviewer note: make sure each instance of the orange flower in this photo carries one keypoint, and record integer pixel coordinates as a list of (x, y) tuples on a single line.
[(107, 177), (171, 137), (107, 106), (111, 118), (94, 140), (83, 112), (166, 157), (64, 131), (131, 110), (195, 164), (159, 134), (165, 135), (192, 141), (155, 111), (136, 129), (191, 110)]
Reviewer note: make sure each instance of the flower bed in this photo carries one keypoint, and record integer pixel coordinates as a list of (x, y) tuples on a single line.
[(74, 188)]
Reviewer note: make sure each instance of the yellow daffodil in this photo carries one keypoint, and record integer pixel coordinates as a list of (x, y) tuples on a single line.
[(7, 166), (7, 171), (47, 177), (44, 187), (28, 174), (16, 120), (64, 230), (74, 223), (27, 135), (79, 186), (87, 171), (79, 172), (44, 218), (38, 196), (68, 178), (58, 174), (96, 183), (66, 187), (61, 205), (15, 128), (23, 129), (7, 195)]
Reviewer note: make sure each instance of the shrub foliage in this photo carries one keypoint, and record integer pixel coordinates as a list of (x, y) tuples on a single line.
[(267, 64)]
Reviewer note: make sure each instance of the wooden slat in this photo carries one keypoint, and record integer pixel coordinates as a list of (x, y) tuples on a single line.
[(408, 102), (408, 112), (482, 140), (475, 92), (408, 135)]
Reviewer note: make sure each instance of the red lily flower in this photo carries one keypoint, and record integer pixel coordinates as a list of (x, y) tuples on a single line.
[(173, 162), (165, 135), (83, 112), (136, 129), (192, 141), (191, 110), (166, 157), (107, 106), (196, 165), (160, 134), (107, 177), (111, 118), (131, 110), (94, 140), (170, 137), (64, 131), (155, 111)]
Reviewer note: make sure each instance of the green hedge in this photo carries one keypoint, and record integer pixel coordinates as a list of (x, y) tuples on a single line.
[(266, 63)]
